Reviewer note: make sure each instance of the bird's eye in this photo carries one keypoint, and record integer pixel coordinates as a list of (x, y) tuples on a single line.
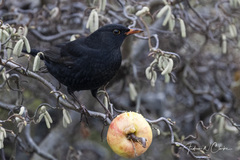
[(116, 32)]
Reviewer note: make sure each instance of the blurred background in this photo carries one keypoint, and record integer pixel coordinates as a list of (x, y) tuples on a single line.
[(201, 93)]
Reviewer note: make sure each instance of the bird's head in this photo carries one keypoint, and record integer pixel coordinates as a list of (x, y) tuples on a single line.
[(111, 36)]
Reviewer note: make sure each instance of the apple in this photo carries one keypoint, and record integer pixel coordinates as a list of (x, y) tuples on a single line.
[(129, 135)]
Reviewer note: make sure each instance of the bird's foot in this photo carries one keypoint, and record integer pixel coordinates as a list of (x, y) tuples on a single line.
[(108, 115), (84, 112)]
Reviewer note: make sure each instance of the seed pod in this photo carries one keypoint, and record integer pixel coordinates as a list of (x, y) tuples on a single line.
[(182, 28), (164, 71), (164, 62), (9, 48), (96, 22), (154, 78), (165, 2), (1, 145), (66, 119), (4, 132), (17, 119), (20, 126), (181, 6), (162, 11), (54, 12), (25, 31), (1, 136), (105, 101), (224, 44), (92, 22), (233, 3), (148, 73), (231, 128), (232, 30), (22, 109), (73, 37), (102, 4), (221, 126), (5, 36), (25, 123), (154, 62), (89, 20), (40, 117), (1, 32), (47, 122), (143, 11), (67, 116), (168, 16), (171, 23), (5, 75), (48, 117), (12, 30), (27, 45), (158, 132), (160, 61), (43, 109), (18, 47), (168, 68), (238, 1), (64, 123), (9, 29), (36, 63), (20, 31), (132, 92), (167, 78)]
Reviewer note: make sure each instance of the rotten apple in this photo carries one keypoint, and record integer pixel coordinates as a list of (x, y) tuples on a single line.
[(129, 135)]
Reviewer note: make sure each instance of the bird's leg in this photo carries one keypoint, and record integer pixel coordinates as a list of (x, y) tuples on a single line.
[(94, 94), (83, 108), (106, 94)]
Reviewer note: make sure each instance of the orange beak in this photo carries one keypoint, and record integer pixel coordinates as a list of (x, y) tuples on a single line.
[(133, 31)]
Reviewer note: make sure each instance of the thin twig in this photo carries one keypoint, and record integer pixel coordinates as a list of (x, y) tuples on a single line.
[(35, 147), (35, 76)]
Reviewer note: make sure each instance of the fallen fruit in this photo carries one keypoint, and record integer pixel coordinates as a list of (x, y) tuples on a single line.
[(129, 135)]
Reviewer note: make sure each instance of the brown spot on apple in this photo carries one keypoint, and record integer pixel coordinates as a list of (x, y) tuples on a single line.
[(129, 135)]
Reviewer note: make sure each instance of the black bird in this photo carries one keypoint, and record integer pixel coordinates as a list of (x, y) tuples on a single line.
[(90, 62)]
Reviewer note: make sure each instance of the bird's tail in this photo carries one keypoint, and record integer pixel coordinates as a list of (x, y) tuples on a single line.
[(33, 52)]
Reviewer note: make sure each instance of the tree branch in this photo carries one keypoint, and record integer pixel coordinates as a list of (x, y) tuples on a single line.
[(64, 101), (35, 146)]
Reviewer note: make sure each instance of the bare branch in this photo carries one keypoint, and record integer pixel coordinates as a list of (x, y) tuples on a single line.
[(62, 101), (34, 146)]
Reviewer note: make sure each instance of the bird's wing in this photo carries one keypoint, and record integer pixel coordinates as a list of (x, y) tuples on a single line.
[(68, 53)]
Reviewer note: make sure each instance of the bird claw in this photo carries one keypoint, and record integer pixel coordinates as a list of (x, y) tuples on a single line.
[(84, 112), (109, 115)]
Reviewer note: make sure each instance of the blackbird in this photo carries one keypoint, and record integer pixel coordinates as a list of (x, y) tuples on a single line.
[(90, 62)]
